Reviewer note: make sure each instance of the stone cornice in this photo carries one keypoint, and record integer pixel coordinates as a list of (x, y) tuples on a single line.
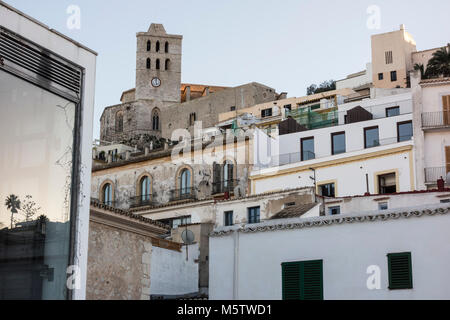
[(327, 221)]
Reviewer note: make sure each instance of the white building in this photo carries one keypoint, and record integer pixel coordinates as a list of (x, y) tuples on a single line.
[(47, 83), (373, 256), (362, 147)]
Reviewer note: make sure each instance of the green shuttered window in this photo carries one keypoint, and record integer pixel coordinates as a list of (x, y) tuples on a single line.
[(400, 271), (303, 280)]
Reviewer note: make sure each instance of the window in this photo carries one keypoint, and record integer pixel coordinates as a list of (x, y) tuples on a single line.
[(155, 120), (192, 119), (383, 206), (145, 187), (302, 280), (228, 172), (404, 131), (337, 143), (392, 112), (158, 64), (228, 218), (233, 108), (185, 182), (387, 183), (119, 122), (149, 45), (327, 190), (393, 76), (107, 194), (389, 57), (157, 46), (167, 66), (166, 47), (254, 215), (288, 107), (149, 63), (400, 271), (380, 76), (289, 204), (333, 211), (371, 137), (266, 113), (307, 149), (177, 222), (315, 107)]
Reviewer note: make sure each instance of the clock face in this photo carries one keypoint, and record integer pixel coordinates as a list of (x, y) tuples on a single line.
[(156, 82)]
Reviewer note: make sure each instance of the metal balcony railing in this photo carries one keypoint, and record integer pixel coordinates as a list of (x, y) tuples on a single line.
[(143, 200), (224, 186), (290, 158), (183, 194), (435, 119), (106, 203), (432, 175)]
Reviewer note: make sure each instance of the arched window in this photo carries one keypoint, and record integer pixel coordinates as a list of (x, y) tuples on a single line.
[(155, 120), (119, 122), (166, 49), (167, 64), (107, 194), (145, 187), (228, 175), (157, 46), (158, 66), (149, 63), (149, 45), (185, 182)]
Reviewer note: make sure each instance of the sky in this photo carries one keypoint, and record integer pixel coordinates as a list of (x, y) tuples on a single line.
[(284, 44)]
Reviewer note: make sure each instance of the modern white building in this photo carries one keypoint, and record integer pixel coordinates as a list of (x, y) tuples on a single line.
[(431, 129), (46, 116), (358, 148), (379, 255)]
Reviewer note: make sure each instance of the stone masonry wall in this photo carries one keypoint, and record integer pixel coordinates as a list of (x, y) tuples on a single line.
[(118, 264)]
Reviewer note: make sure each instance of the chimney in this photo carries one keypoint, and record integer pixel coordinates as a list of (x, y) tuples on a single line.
[(441, 185), (146, 151), (402, 27)]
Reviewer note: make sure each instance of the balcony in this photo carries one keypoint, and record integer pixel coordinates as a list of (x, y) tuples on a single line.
[(143, 201), (183, 194), (107, 203), (292, 158), (432, 175), (224, 186), (435, 120)]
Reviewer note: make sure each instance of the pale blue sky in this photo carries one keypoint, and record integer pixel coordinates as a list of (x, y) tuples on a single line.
[(285, 44)]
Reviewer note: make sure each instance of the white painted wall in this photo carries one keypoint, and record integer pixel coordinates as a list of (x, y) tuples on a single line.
[(358, 81), (55, 42), (247, 266), (171, 274), (365, 204), (350, 176)]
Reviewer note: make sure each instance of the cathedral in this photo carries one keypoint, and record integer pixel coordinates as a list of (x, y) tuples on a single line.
[(160, 103)]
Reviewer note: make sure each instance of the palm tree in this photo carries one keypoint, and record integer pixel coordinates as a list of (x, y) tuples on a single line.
[(12, 203), (421, 68), (439, 64)]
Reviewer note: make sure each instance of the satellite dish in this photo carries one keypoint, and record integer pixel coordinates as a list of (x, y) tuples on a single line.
[(188, 237)]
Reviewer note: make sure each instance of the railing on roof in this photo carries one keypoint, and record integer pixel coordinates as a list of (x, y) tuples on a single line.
[(224, 186), (183, 194)]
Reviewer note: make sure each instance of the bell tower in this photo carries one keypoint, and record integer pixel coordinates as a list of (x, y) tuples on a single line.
[(158, 65)]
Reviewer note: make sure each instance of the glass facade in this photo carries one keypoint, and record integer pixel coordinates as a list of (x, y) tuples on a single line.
[(36, 135)]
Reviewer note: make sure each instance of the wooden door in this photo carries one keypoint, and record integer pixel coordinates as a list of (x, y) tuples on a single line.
[(446, 109)]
